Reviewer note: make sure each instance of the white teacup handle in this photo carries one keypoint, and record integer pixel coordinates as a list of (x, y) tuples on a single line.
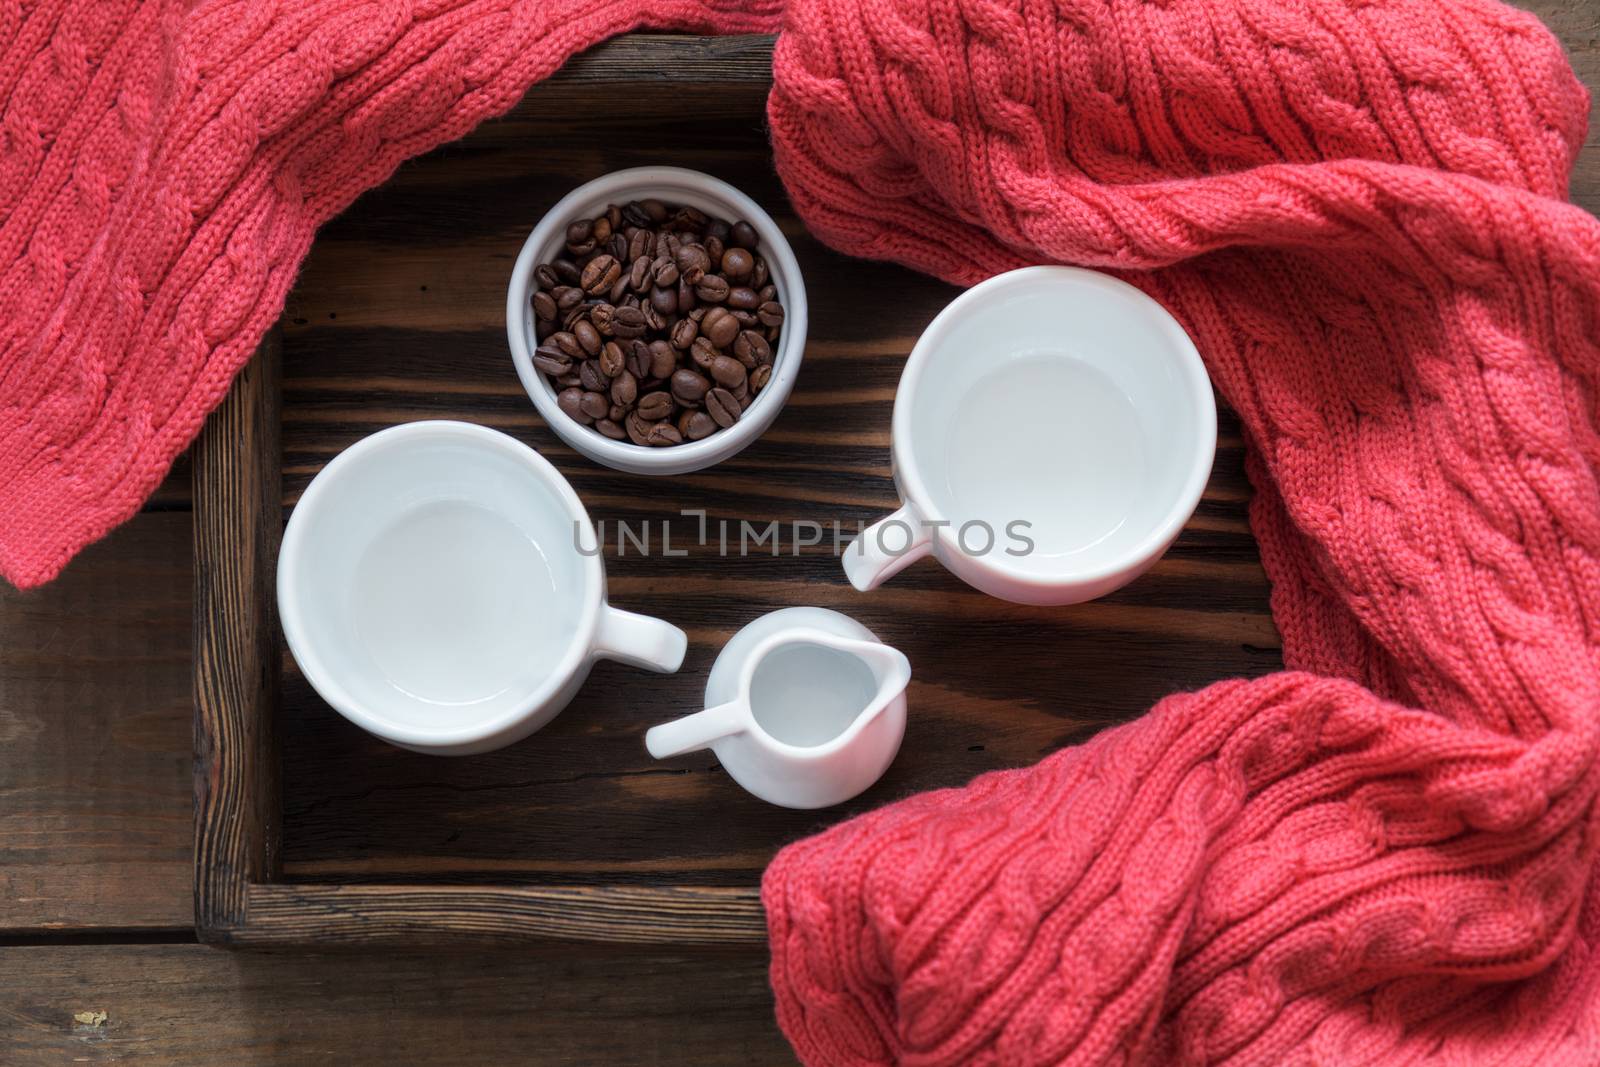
[(639, 640), (696, 731), (868, 564)]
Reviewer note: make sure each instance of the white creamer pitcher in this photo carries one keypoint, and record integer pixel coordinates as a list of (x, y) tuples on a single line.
[(805, 708)]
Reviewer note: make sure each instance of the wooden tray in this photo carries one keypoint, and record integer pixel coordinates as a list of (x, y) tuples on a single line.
[(311, 832)]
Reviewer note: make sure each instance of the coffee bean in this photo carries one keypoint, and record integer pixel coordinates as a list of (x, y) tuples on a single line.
[(689, 219), (697, 425), (693, 261), (717, 228), (750, 348), (567, 297), (760, 377), (686, 297), (639, 242), (628, 322), (544, 276), (654, 210), (664, 300), (721, 406), (715, 246), (611, 429), (720, 325), (736, 264), (758, 274), (744, 235), (746, 319), (591, 378), (570, 401), (566, 271), (727, 371), (688, 387), (624, 389), (654, 406), (567, 381), (615, 413), (767, 292), (654, 321), (639, 358), (580, 231), (567, 343), (743, 298), (665, 273), (770, 313), (600, 274), (551, 360), (683, 333), (662, 434), (662, 360), (544, 306), (588, 337), (639, 275), (741, 393), (595, 405), (637, 429), (713, 289), (612, 361), (601, 228), (702, 353)]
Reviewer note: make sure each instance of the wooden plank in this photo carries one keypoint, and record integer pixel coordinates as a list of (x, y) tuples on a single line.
[(187, 1006), (94, 738), (422, 915), (237, 522), (643, 58)]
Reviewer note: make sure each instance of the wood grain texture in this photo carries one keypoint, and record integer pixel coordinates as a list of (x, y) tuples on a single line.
[(94, 738), (187, 1006), (237, 522), (705, 916)]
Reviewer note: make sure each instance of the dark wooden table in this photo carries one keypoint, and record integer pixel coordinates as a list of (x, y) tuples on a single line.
[(398, 315)]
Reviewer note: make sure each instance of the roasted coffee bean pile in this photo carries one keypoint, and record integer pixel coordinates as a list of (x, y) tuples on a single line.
[(659, 324)]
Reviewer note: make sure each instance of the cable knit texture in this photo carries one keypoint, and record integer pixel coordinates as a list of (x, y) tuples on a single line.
[(1387, 855), (163, 166), (1356, 207)]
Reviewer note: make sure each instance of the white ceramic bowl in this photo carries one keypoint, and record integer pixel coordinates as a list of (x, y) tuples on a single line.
[(440, 586), (1053, 430), (679, 186)]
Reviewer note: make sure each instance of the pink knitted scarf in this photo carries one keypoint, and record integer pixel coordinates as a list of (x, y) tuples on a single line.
[(1384, 856)]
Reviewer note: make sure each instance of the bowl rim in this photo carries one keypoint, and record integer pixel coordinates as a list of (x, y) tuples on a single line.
[(295, 547), (681, 185), (1193, 375)]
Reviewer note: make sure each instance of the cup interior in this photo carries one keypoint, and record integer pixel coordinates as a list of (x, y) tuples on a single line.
[(806, 694), (1059, 407), (434, 582)]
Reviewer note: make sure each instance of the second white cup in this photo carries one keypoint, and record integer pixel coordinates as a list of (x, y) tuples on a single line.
[(1053, 430)]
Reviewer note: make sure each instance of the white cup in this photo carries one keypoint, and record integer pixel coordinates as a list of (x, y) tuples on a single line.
[(1054, 429), (440, 586)]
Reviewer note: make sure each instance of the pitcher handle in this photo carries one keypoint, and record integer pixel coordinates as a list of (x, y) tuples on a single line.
[(639, 640), (868, 564), (695, 731)]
